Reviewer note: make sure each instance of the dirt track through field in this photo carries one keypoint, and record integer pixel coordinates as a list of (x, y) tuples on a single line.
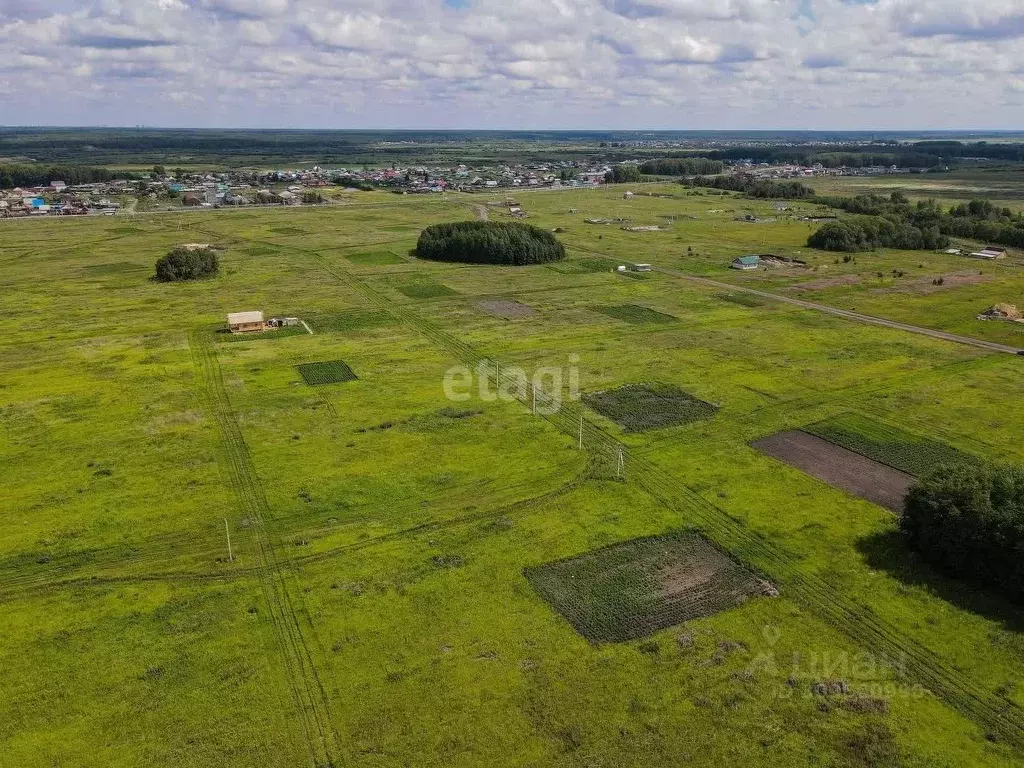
[(310, 698), (839, 467), (913, 662), (847, 314)]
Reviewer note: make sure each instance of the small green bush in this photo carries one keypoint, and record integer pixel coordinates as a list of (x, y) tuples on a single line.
[(187, 264)]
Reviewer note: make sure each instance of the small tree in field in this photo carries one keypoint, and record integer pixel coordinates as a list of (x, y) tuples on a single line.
[(187, 264), (969, 521)]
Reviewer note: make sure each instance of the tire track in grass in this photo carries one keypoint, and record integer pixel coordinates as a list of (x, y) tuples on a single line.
[(1001, 718), (308, 693)]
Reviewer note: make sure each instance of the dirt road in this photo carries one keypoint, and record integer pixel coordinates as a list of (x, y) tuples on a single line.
[(845, 313)]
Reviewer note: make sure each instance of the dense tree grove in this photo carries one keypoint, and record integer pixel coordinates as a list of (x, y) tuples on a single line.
[(787, 190), (969, 521), (865, 233), (31, 175), (187, 264), (489, 242), (624, 174), (682, 166)]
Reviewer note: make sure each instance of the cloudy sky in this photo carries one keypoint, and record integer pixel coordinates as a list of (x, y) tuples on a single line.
[(687, 64)]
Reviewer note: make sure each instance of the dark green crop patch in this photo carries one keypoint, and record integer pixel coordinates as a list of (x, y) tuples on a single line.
[(329, 372), (641, 407), (633, 589), (889, 445)]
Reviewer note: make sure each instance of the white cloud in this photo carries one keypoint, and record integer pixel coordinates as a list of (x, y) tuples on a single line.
[(536, 63)]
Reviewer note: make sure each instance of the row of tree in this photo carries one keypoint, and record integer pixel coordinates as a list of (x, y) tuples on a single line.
[(624, 174), (865, 233), (919, 155), (33, 175), (682, 166), (489, 242), (751, 187), (969, 521)]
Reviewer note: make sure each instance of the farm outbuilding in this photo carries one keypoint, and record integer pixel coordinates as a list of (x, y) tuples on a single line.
[(246, 322), (746, 262)]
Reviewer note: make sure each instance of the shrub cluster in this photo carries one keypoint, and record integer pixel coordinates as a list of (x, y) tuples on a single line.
[(969, 521), (187, 264), (489, 242)]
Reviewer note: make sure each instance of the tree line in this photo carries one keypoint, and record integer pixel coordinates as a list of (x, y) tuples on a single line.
[(682, 166), (920, 154), (751, 187), (33, 175), (885, 221), (489, 242)]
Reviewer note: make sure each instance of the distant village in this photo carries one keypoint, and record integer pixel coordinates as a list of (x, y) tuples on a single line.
[(168, 191)]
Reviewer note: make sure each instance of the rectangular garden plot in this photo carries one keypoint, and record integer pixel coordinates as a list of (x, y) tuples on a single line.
[(329, 372), (889, 445), (640, 407), (639, 587), (506, 309), (839, 467), (634, 313)]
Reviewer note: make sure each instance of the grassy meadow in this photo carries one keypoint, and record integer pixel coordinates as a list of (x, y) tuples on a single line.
[(372, 609)]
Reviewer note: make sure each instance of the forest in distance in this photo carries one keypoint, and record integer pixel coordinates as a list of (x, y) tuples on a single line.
[(127, 147)]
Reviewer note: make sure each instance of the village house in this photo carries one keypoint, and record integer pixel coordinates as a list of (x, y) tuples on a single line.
[(246, 322), (746, 262)]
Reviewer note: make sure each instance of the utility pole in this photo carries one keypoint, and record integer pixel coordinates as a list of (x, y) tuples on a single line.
[(581, 430), (618, 470), (227, 532), (534, 387)]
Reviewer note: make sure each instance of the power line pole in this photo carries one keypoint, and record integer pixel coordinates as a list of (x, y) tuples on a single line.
[(534, 387), (618, 469), (581, 430), (227, 532)]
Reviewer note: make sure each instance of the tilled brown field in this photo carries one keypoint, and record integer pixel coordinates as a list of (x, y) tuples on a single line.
[(839, 467)]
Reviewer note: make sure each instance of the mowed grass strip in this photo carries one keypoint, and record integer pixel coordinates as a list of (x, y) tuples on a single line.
[(374, 258), (888, 445), (641, 407), (355, 320), (273, 333), (633, 313), (633, 589), (425, 289), (327, 372)]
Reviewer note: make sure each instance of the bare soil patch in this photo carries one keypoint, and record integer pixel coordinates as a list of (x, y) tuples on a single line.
[(839, 467), (823, 283), (506, 309), (926, 285)]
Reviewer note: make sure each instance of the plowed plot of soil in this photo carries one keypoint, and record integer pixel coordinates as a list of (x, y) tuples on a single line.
[(639, 587), (839, 467), (506, 308)]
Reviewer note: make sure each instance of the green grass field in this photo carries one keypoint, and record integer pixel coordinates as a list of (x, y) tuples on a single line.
[(375, 607)]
